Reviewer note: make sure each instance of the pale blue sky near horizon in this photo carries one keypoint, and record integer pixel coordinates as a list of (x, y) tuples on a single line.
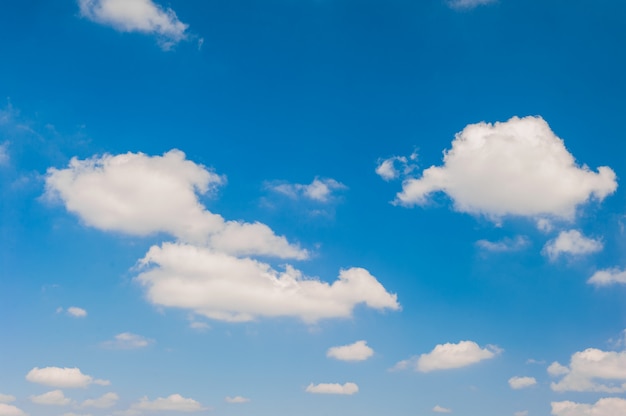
[(200, 200)]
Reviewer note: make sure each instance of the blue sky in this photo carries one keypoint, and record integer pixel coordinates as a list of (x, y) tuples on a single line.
[(312, 207)]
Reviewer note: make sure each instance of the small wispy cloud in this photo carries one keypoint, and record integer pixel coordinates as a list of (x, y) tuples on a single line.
[(127, 341), (468, 4), (236, 399), (320, 190), (505, 245)]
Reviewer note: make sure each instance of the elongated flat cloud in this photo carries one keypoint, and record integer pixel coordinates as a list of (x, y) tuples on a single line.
[(51, 398), (449, 355), (320, 190), (358, 351), (127, 341), (572, 243), (141, 195), (608, 277), (333, 388), (518, 167), (236, 399), (610, 406), (517, 383), (142, 16), (103, 402), (10, 410), (174, 403), (223, 287), (592, 370), (441, 409), (76, 312), (468, 4), (62, 377), (504, 245)]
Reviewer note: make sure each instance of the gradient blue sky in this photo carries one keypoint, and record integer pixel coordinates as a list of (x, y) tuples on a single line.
[(200, 200)]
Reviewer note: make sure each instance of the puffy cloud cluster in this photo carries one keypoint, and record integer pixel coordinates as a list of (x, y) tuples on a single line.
[(610, 406), (136, 16), (518, 167), (103, 402), (62, 377), (449, 356), (224, 287), (592, 370), (573, 243), (396, 166), (51, 398), (358, 351), (608, 277), (333, 388)]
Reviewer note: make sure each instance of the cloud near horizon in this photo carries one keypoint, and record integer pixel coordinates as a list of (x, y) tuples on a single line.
[(513, 168)]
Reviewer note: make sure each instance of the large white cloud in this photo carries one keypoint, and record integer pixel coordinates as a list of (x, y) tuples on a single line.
[(51, 398), (141, 195), (62, 377), (608, 277), (333, 388), (571, 242), (223, 287), (610, 406), (448, 356), (517, 383), (174, 403), (592, 370), (358, 351), (518, 167), (10, 410), (136, 16)]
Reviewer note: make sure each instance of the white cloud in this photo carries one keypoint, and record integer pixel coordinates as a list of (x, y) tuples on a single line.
[(9, 410), (396, 166), (571, 242), (521, 382), (127, 341), (518, 167), (333, 388), (105, 401), (76, 312), (320, 190), (447, 356), (236, 399), (358, 351), (610, 406), (592, 370), (440, 409), (504, 245), (608, 277), (62, 377), (141, 195), (174, 402), (228, 288), (468, 4), (6, 398), (142, 16), (51, 398)]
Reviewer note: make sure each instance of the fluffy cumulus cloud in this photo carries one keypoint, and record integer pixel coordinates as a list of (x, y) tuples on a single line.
[(505, 245), (224, 287), (573, 243), (441, 409), (76, 312), (518, 167), (592, 370), (127, 341), (517, 383), (468, 4), (62, 377), (608, 277), (610, 406), (448, 356), (172, 403), (10, 410), (105, 401), (320, 190), (141, 195), (358, 351), (333, 388), (396, 166), (236, 399), (136, 16), (51, 398)]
